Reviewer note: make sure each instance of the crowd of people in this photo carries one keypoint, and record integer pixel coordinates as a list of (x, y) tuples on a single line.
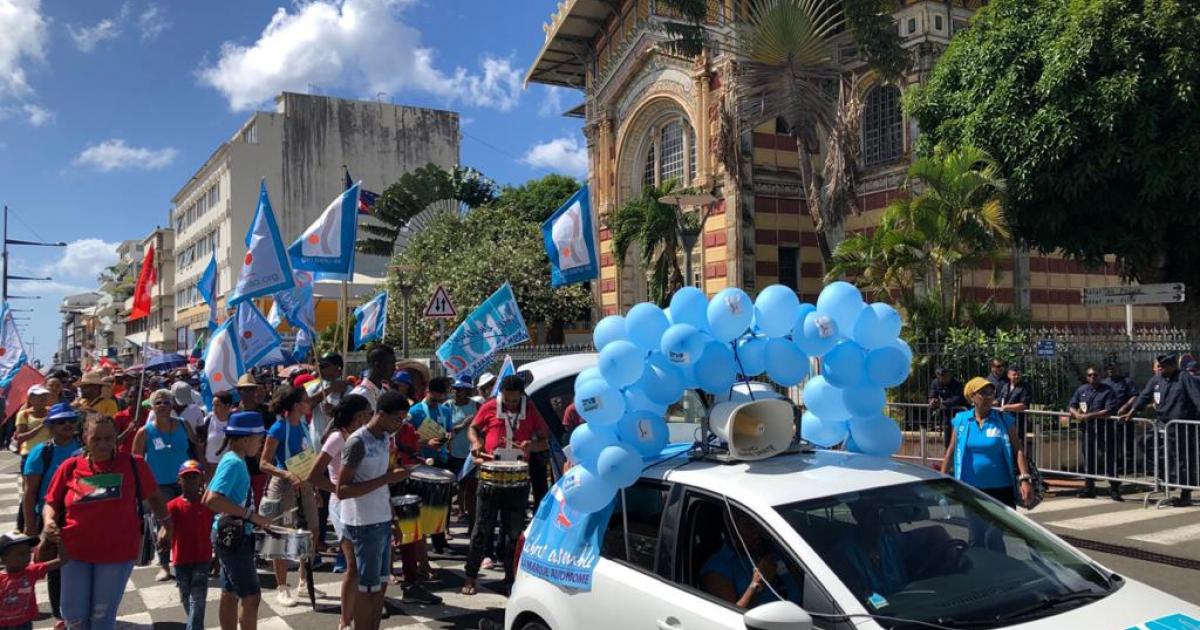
[(985, 426), (143, 464)]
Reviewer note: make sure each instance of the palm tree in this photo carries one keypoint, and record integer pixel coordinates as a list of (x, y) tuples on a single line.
[(429, 189), (650, 225), (889, 262)]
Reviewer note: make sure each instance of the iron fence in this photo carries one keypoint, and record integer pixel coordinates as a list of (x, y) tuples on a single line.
[(1181, 454)]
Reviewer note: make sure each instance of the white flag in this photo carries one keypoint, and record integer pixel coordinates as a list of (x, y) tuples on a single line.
[(265, 269), (222, 363), (12, 351)]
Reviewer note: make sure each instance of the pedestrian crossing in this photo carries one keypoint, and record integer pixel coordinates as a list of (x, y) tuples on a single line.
[(1169, 531)]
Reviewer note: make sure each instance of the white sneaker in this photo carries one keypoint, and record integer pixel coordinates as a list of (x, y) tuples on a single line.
[(284, 596), (163, 575)]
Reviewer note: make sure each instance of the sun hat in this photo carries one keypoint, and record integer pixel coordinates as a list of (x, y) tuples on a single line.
[(245, 423), (92, 378), (974, 385), (37, 390), (247, 380), (61, 412), (463, 381), (189, 467)]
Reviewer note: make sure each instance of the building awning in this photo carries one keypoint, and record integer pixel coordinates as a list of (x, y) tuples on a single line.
[(563, 58)]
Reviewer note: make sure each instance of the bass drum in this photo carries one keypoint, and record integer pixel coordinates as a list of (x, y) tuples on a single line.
[(435, 487)]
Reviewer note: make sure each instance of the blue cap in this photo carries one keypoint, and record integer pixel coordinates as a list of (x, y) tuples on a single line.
[(61, 412), (245, 423), (463, 381), (402, 377)]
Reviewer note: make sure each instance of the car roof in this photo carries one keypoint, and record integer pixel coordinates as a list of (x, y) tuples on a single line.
[(551, 370), (791, 477)]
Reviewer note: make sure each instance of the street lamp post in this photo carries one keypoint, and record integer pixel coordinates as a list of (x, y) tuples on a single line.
[(4, 296), (688, 235), (405, 284)]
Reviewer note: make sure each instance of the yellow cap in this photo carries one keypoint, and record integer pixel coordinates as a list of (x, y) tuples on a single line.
[(974, 385)]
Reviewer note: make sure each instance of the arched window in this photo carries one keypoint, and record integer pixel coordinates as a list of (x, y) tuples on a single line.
[(882, 126), (671, 154)]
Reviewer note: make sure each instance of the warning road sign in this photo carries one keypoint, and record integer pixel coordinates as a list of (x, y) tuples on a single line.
[(440, 306)]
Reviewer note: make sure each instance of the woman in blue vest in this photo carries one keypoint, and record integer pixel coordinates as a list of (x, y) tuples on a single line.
[(986, 452), (165, 444)]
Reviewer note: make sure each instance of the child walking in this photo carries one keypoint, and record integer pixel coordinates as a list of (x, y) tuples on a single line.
[(191, 549), (18, 601)]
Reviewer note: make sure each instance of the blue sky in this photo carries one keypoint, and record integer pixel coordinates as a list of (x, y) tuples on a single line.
[(107, 107)]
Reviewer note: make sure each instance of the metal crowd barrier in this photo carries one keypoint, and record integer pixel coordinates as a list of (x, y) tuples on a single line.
[(1181, 455)]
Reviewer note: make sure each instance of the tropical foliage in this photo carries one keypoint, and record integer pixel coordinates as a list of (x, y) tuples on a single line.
[(650, 227), (417, 191)]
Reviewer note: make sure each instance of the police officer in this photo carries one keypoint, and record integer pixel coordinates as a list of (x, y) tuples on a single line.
[(1091, 405), (998, 375), (1015, 396), (945, 399), (1176, 396), (1124, 389)]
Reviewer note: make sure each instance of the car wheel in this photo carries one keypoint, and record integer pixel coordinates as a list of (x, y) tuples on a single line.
[(535, 624)]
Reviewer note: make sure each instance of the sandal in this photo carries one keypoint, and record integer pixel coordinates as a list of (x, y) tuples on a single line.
[(468, 589)]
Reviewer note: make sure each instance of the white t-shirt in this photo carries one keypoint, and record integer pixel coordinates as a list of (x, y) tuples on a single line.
[(333, 448), (369, 456), (214, 439), (367, 390), (320, 419), (191, 415)]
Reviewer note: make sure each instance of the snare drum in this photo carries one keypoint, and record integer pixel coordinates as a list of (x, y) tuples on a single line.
[(435, 487), (407, 511), (285, 544), (497, 474)]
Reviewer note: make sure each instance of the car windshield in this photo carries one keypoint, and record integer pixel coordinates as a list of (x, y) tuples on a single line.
[(938, 551)]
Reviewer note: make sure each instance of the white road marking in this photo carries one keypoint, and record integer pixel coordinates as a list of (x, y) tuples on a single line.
[(1114, 519), (1187, 533)]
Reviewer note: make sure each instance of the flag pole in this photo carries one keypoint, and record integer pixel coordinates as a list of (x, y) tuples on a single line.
[(344, 317)]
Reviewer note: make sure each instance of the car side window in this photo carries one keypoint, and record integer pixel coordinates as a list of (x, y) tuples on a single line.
[(633, 530)]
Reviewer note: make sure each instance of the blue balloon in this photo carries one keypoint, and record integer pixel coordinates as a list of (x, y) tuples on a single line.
[(682, 345), (775, 310), (661, 381), (689, 305), (887, 366), (646, 432), (877, 325), (843, 302), (644, 326), (621, 363), (715, 372), (824, 399), (844, 366), (588, 374), (636, 399), (801, 313), (585, 491), (752, 356), (876, 435), (610, 329), (864, 400), (818, 334), (599, 402), (619, 465), (787, 364), (587, 441), (729, 314), (902, 346), (823, 433)]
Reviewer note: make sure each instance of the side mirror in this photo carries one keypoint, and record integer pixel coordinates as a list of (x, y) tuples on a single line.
[(777, 616)]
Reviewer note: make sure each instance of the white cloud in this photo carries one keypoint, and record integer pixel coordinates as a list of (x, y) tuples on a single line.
[(359, 45), (114, 154), (24, 39), (83, 259), (552, 104), (37, 115), (152, 22), (86, 38), (27, 287), (564, 155)]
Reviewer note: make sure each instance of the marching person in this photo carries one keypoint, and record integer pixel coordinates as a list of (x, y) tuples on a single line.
[(92, 506), (325, 392), (1091, 405), (229, 496), (288, 439), (945, 399), (365, 504), (92, 395), (29, 423), (464, 408), (507, 427), (191, 546), (381, 363), (252, 399), (214, 430), (435, 409), (164, 444), (1176, 396), (18, 596)]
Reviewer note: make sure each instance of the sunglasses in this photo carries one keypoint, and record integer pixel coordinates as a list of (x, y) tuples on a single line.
[(162, 402)]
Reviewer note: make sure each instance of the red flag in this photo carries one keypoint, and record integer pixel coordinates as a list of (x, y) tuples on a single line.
[(26, 377), (141, 292)]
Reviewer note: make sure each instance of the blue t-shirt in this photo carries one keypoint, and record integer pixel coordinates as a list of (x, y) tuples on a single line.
[(442, 414), (292, 440), (166, 452), (232, 481), (33, 465), (728, 564), (460, 444), (984, 464)]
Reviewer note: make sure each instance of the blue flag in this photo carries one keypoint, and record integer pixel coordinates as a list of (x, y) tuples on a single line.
[(569, 241), (303, 345), (296, 304), (207, 286), (256, 337), (222, 361), (12, 351), (370, 320), (327, 246), (492, 326), (506, 369), (563, 544), (265, 270)]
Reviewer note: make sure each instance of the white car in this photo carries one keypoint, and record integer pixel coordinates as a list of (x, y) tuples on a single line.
[(845, 541)]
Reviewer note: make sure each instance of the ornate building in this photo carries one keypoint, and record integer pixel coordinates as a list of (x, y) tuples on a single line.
[(651, 116)]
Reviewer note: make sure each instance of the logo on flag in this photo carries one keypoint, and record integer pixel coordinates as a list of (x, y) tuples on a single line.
[(327, 246), (222, 360), (12, 351), (492, 326), (207, 286), (370, 319), (256, 338), (569, 242), (265, 269)]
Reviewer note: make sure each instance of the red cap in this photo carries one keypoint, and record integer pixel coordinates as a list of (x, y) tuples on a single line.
[(191, 466), (300, 380)]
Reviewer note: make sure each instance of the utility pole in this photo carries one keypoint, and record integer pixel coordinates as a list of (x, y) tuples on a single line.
[(4, 296)]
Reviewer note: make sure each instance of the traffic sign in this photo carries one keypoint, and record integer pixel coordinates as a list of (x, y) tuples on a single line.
[(440, 306), (1135, 294)]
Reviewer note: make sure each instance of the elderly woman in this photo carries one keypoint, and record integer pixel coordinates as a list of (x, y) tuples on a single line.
[(164, 443), (94, 497)]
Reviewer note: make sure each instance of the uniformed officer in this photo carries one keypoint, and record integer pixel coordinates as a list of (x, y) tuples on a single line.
[(1015, 396), (998, 375), (1125, 392), (945, 399), (1176, 396), (1124, 389), (1092, 405)]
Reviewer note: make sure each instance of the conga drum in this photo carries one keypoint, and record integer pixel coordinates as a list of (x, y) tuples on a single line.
[(435, 487), (499, 477), (407, 511)]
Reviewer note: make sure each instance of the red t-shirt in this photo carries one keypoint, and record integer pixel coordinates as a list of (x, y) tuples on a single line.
[(18, 599), (571, 417), (100, 504), (408, 446), (193, 523), (491, 426)]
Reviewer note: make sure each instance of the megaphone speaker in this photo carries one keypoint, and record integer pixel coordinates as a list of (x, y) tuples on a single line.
[(756, 429)]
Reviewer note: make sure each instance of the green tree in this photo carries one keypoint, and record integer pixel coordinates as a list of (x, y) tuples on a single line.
[(415, 192), (1090, 106), (536, 199), (650, 226)]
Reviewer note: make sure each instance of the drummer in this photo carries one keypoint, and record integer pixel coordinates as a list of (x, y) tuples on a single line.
[(506, 428), (435, 435)]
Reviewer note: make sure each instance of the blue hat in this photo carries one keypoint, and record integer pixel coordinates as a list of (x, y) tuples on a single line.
[(463, 381), (245, 423), (61, 412), (402, 377)]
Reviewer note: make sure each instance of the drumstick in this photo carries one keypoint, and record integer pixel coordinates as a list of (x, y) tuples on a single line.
[(285, 514)]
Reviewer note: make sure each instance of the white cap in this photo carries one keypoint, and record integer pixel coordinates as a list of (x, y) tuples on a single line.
[(37, 390)]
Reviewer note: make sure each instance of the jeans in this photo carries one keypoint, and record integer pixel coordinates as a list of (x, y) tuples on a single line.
[(192, 580), (91, 593), (238, 574), (371, 546), (509, 505), (168, 491)]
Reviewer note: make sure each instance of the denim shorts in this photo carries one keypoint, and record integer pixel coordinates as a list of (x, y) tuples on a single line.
[(238, 573), (372, 553)]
